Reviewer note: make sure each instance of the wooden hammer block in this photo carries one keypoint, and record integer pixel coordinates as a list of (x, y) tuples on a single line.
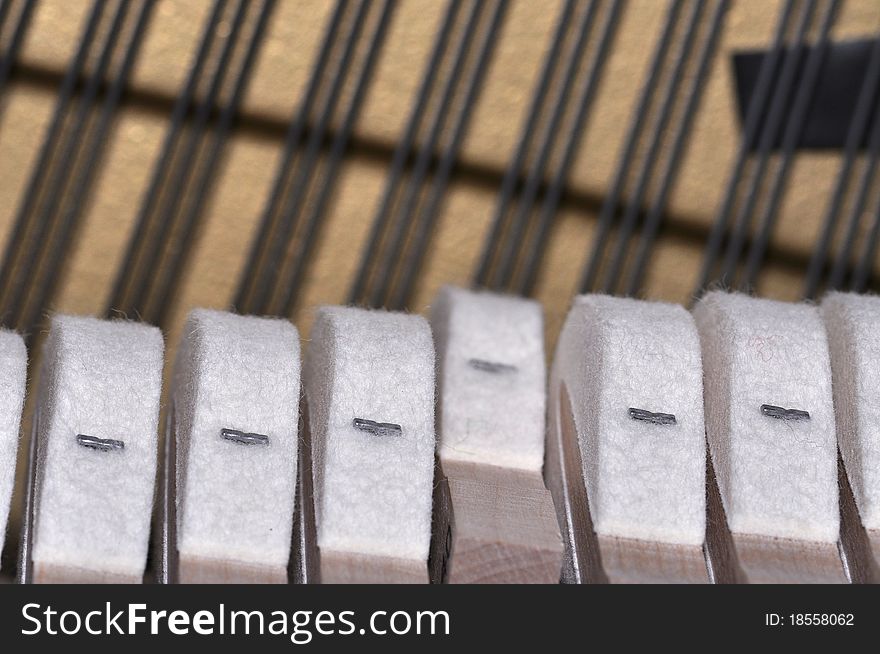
[(494, 525)]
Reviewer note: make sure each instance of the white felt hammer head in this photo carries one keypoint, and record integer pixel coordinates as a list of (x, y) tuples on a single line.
[(97, 428), (765, 361), (490, 351), (854, 338), (633, 374), (236, 406), (13, 377), (373, 486)]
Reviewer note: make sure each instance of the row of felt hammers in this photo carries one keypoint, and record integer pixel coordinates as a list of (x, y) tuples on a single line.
[(737, 442)]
